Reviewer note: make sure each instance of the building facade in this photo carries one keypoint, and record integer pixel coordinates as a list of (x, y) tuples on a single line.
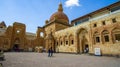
[(99, 29)]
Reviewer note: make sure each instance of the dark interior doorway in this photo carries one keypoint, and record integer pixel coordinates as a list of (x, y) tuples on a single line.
[(16, 48), (86, 48)]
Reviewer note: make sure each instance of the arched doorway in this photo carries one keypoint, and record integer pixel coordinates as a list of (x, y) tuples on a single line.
[(16, 47), (83, 46), (50, 42), (16, 44)]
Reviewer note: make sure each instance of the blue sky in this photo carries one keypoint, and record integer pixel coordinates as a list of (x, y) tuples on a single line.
[(33, 13)]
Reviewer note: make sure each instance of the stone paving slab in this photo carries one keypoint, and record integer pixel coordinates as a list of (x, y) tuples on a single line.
[(27, 59)]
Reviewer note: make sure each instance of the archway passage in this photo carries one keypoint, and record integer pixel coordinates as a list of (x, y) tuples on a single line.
[(16, 48), (83, 46), (16, 45), (86, 48)]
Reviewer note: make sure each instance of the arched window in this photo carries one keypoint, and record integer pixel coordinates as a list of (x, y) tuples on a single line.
[(96, 37), (116, 35), (66, 40), (71, 39), (60, 39), (57, 43), (61, 42), (103, 23), (105, 34), (41, 34), (95, 25), (18, 31)]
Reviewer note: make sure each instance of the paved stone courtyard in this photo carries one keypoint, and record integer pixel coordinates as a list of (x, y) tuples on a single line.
[(27, 59)]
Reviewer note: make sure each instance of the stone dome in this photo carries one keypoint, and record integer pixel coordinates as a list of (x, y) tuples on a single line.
[(59, 15)]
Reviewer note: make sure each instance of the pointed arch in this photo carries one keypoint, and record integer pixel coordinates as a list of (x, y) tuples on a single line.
[(65, 40), (81, 29), (17, 41), (71, 39), (96, 36), (83, 39), (116, 34), (105, 36)]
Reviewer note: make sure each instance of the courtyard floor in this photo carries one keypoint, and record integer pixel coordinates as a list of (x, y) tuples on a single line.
[(27, 59)]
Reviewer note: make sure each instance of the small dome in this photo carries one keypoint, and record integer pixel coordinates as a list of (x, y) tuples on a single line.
[(59, 15)]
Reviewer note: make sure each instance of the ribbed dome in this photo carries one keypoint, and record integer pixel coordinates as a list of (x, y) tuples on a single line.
[(59, 15)]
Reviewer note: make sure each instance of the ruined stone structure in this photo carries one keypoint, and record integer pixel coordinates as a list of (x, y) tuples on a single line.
[(16, 37), (99, 29)]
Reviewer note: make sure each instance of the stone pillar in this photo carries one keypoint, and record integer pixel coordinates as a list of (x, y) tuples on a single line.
[(50, 44), (76, 43), (64, 41), (80, 46), (111, 38), (101, 39), (69, 41), (53, 45), (46, 44), (91, 41)]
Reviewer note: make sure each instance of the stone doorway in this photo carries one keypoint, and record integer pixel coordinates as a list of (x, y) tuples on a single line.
[(83, 37), (16, 48), (16, 45), (85, 46)]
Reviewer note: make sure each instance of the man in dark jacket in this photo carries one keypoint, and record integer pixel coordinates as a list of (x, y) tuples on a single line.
[(49, 52)]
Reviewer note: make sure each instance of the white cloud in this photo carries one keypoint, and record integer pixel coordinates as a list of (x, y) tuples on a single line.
[(71, 3)]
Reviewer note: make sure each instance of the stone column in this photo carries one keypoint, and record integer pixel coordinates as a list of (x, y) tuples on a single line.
[(101, 38), (46, 44), (80, 46), (76, 43), (53, 45), (91, 41), (63, 41), (69, 40), (111, 38)]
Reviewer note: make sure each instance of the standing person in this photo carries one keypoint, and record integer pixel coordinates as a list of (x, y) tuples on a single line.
[(49, 52), (87, 50)]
